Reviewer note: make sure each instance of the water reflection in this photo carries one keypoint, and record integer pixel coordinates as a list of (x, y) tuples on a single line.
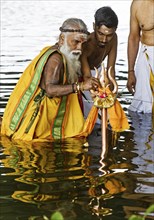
[(143, 137), (142, 188), (44, 172), (143, 127), (75, 179), (57, 176)]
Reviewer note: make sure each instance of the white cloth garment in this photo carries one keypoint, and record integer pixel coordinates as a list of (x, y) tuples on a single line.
[(87, 103), (143, 98)]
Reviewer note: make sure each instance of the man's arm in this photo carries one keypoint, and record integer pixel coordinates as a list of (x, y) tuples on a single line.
[(133, 46), (112, 59), (50, 81), (85, 68), (52, 74), (87, 77)]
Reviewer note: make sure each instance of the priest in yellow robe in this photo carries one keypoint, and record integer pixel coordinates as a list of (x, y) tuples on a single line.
[(46, 103)]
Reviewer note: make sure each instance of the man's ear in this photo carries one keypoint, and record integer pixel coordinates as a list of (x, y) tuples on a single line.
[(61, 39), (94, 26)]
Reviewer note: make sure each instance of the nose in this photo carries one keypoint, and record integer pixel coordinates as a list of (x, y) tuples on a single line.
[(79, 46), (104, 38)]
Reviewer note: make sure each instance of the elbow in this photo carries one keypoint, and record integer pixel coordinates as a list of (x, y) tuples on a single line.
[(133, 38), (50, 92)]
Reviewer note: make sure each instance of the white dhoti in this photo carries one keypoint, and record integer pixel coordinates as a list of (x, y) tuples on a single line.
[(143, 98), (88, 102)]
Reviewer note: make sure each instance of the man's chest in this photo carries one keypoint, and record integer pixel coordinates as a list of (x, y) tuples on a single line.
[(146, 18), (96, 57)]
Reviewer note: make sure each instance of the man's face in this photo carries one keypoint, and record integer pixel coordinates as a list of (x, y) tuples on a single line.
[(104, 34), (72, 44), (71, 47)]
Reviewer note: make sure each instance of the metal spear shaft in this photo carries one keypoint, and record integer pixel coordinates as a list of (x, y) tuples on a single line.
[(104, 127)]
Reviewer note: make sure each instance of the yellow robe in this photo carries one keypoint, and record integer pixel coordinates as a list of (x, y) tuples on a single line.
[(30, 114)]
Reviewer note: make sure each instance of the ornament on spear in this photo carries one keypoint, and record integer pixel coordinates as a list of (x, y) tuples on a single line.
[(105, 98)]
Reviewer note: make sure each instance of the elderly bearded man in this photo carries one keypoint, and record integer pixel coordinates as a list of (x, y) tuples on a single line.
[(46, 103)]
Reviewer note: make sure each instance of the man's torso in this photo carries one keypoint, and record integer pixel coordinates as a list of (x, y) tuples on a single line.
[(95, 53), (145, 17)]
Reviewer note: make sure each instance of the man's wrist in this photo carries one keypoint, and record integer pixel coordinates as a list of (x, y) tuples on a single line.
[(76, 87), (131, 71)]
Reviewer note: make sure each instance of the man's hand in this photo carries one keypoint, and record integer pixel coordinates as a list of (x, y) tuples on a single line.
[(94, 93), (131, 82), (91, 83)]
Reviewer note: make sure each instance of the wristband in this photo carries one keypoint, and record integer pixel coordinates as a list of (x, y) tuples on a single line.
[(78, 87), (73, 90), (81, 86)]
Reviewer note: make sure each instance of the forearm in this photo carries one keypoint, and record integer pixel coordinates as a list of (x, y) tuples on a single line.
[(59, 90), (86, 73), (112, 60), (133, 46), (53, 90)]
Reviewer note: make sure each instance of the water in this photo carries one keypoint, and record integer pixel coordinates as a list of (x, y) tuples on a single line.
[(80, 181)]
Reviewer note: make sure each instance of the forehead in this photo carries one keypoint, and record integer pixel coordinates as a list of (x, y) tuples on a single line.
[(105, 30), (78, 36)]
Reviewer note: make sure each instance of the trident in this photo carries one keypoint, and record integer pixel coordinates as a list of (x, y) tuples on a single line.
[(104, 100)]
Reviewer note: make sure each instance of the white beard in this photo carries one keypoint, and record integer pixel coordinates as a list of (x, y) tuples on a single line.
[(73, 63)]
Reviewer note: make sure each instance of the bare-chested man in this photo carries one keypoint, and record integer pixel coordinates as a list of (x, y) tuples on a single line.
[(141, 71), (101, 43)]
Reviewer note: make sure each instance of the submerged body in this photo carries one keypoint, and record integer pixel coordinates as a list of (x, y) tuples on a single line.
[(46, 102), (34, 115)]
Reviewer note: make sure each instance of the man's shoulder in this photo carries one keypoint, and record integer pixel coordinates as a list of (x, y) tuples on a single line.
[(136, 3), (52, 53), (91, 39), (89, 45), (56, 56)]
